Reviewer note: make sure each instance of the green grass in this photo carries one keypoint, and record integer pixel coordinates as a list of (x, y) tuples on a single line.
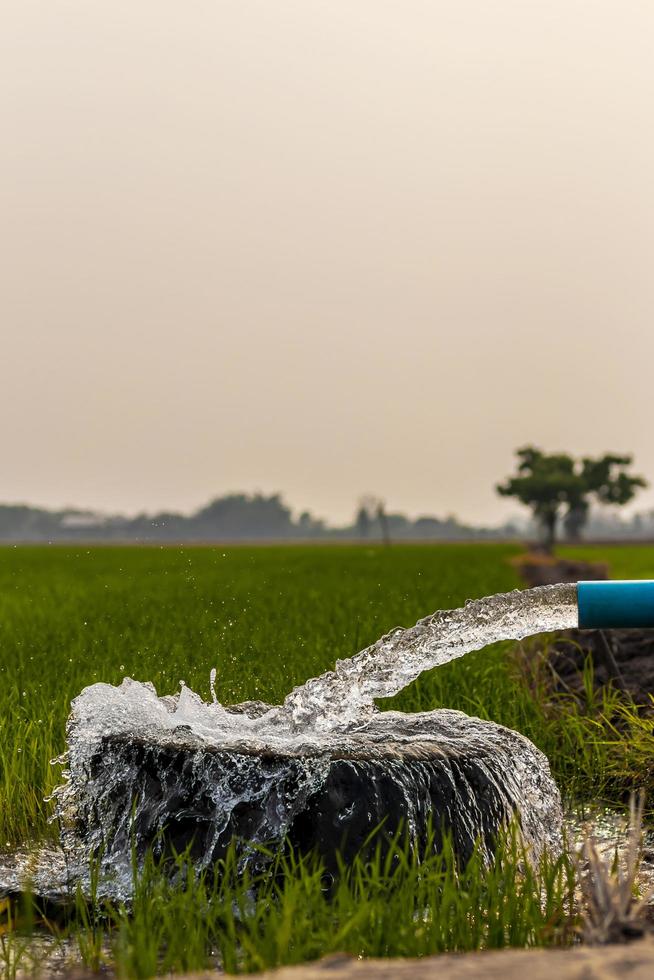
[(268, 618), (625, 561), (398, 902), (404, 903)]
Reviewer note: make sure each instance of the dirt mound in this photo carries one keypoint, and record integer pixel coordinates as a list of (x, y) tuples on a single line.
[(624, 658), (537, 568)]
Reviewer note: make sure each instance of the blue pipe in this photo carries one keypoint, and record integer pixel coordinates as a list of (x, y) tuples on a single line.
[(614, 605)]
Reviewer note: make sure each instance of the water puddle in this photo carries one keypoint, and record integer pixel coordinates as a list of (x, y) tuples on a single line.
[(608, 829)]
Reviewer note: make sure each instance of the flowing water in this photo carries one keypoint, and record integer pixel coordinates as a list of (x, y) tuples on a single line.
[(341, 700), (345, 696), (263, 765)]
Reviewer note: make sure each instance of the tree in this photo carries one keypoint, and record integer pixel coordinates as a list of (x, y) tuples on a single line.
[(372, 511), (238, 515), (382, 519), (362, 522), (555, 485)]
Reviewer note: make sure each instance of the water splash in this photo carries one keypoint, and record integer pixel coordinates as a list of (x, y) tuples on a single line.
[(138, 762), (341, 699)]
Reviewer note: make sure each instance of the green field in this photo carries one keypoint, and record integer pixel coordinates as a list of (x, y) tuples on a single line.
[(625, 561), (267, 618)]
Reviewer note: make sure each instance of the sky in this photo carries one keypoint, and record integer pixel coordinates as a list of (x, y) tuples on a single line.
[(327, 248)]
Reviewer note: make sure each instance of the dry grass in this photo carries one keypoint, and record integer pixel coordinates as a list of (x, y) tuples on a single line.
[(613, 911)]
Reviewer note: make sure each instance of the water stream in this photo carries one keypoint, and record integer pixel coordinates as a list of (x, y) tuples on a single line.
[(341, 700), (345, 696), (270, 762), (139, 760)]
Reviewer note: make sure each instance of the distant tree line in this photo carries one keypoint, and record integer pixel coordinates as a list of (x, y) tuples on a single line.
[(559, 490), (234, 517)]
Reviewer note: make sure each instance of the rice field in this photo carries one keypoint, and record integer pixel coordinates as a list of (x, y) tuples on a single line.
[(267, 618)]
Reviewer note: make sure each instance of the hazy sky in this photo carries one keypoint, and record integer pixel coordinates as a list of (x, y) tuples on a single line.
[(321, 247)]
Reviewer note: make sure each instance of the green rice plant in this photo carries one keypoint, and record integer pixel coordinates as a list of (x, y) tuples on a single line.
[(267, 617), (624, 560), (401, 901), (626, 738), (89, 933), (599, 742), (18, 956)]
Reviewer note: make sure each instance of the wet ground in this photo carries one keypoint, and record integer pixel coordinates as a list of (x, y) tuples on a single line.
[(608, 829), (45, 869)]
